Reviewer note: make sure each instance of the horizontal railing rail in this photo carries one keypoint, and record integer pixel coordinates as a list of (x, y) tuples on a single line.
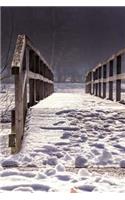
[(33, 82), (106, 78)]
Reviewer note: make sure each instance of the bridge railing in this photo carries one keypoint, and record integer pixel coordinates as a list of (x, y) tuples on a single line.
[(107, 79), (33, 82)]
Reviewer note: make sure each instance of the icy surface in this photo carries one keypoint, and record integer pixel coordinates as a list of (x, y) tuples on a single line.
[(65, 131)]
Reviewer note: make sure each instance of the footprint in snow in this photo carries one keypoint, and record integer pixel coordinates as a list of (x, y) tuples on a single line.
[(58, 123), (66, 135), (86, 188), (63, 177)]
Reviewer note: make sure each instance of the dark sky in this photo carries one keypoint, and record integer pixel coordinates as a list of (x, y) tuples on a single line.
[(80, 36)]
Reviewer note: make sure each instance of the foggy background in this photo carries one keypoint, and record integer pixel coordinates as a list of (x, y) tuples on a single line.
[(71, 39)]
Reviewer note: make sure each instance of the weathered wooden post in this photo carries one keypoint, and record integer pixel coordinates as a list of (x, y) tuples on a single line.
[(96, 85), (41, 83), (98, 82), (110, 81), (17, 66), (90, 82), (31, 81), (37, 70), (31, 92), (94, 82), (100, 76), (26, 65), (118, 81), (104, 80), (41, 90), (47, 89)]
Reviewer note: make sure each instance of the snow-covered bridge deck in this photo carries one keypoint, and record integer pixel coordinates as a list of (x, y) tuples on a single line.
[(70, 125), (69, 130)]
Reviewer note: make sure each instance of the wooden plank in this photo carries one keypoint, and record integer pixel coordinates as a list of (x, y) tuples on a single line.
[(19, 115), (35, 91), (18, 54), (99, 94), (122, 51), (104, 90), (89, 82), (118, 90), (41, 89), (110, 90), (120, 76), (31, 92), (24, 82), (97, 66), (112, 78), (36, 76), (45, 89), (25, 105), (96, 90)]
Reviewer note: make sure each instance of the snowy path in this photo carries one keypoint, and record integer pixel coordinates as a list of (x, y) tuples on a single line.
[(67, 125), (69, 130)]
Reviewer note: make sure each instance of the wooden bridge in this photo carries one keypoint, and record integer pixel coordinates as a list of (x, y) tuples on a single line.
[(34, 82)]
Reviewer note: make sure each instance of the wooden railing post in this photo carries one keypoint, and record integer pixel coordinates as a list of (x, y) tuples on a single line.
[(41, 82), (31, 81), (26, 81), (104, 77), (118, 90), (35, 71), (110, 82), (41, 90), (37, 81), (19, 110), (31, 92), (118, 81), (100, 76), (93, 82)]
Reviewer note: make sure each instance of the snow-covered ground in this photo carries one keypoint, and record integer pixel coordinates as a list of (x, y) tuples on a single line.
[(73, 142), (6, 105)]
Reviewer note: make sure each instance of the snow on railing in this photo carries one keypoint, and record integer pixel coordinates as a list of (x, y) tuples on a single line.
[(33, 82), (107, 79)]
